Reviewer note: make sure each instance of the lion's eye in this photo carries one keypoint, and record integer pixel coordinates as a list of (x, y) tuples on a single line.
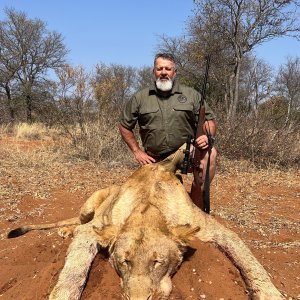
[(125, 262), (157, 263)]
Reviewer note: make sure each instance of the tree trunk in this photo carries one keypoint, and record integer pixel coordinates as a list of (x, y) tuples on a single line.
[(28, 109), (9, 104), (234, 90)]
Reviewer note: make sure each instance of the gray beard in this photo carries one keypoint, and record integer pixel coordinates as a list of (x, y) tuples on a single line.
[(164, 86)]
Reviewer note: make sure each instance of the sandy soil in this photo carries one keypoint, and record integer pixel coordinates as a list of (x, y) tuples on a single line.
[(39, 185)]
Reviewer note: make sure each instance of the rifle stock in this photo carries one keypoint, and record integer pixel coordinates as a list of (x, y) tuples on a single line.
[(196, 193)]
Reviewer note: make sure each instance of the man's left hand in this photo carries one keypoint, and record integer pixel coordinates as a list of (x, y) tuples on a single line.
[(202, 142)]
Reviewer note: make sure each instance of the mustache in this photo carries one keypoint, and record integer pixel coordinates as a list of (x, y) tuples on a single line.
[(164, 77)]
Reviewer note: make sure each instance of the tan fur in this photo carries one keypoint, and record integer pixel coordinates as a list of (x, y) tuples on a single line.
[(147, 223)]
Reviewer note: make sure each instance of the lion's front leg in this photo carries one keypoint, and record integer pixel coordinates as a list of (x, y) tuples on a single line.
[(80, 256), (254, 274)]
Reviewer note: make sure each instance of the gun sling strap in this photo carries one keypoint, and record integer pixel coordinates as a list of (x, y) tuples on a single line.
[(206, 196)]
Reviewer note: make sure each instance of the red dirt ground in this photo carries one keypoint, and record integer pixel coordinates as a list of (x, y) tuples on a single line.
[(261, 206)]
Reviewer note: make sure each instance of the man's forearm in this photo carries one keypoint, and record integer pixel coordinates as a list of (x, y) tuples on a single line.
[(210, 127), (129, 138)]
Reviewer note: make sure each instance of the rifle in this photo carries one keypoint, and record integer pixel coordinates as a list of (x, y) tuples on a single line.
[(184, 167), (202, 201)]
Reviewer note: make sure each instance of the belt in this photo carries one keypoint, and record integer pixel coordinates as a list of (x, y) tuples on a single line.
[(161, 156)]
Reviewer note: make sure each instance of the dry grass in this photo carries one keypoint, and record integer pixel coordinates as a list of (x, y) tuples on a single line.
[(247, 198), (264, 201), (37, 170), (101, 142), (30, 131), (6, 129), (35, 131)]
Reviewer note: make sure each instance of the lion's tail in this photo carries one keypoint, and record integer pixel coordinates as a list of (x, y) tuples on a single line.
[(24, 229)]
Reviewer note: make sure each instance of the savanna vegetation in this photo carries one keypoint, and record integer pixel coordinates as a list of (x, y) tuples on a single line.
[(58, 135), (258, 109)]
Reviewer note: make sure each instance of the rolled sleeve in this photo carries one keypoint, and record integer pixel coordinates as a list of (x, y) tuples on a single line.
[(209, 114), (129, 115)]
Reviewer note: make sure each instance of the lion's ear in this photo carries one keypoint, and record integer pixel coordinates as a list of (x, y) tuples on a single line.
[(107, 235), (184, 233)]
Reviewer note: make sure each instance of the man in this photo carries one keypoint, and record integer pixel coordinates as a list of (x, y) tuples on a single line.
[(167, 112)]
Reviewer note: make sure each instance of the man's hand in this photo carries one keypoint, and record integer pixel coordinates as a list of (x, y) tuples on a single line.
[(202, 142), (143, 158)]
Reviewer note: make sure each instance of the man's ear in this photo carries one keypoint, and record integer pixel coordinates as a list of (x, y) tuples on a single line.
[(107, 235)]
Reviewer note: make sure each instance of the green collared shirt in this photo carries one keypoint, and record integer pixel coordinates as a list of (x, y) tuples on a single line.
[(164, 122)]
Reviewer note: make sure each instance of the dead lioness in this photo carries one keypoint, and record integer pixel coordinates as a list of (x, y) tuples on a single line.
[(146, 224)]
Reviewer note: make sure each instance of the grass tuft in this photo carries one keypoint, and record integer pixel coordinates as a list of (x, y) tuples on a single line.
[(36, 131)]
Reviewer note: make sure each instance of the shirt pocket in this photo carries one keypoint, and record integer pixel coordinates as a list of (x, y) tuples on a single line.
[(148, 116), (184, 112)]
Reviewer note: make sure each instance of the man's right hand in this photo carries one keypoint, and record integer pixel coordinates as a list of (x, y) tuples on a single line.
[(143, 158)]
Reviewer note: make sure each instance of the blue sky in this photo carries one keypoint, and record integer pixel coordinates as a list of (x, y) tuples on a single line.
[(125, 31)]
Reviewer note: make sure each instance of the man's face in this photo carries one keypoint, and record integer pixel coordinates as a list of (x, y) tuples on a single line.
[(164, 72)]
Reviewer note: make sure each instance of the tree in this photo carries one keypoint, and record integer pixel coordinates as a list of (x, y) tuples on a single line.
[(9, 65), (188, 58), (144, 77), (28, 51), (255, 83), (73, 100), (113, 86), (236, 27), (274, 110), (288, 86)]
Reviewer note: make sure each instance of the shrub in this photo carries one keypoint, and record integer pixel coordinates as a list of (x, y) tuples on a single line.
[(99, 141), (257, 141)]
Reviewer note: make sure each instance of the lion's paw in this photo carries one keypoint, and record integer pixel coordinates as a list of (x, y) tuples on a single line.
[(66, 232)]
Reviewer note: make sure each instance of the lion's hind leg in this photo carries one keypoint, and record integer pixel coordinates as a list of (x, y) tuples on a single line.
[(87, 211)]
